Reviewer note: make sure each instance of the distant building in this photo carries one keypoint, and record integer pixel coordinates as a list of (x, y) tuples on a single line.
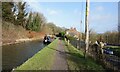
[(73, 32)]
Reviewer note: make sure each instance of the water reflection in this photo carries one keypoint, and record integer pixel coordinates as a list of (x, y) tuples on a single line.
[(17, 54)]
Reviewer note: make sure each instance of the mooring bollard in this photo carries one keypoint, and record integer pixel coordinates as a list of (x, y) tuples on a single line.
[(65, 40), (68, 41)]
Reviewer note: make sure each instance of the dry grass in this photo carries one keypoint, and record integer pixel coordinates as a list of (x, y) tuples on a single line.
[(11, 32)]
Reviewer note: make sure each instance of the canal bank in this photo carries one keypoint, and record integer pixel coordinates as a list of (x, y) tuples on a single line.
[(21, 40), (59, 56)]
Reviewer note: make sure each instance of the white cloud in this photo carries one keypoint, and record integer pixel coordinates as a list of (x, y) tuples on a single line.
[(99, 8), (100, 18), (52, 12), (98, 15), (35, 6), (60, 0), (77, 12), (66, 0)]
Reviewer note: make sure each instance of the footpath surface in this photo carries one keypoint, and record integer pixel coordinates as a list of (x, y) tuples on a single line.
[(60, 62)]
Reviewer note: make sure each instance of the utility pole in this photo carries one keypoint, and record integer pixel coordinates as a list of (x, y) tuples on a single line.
[(87, 27), (80, 34)]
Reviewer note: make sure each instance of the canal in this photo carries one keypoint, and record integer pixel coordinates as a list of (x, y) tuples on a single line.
[(16, 54)]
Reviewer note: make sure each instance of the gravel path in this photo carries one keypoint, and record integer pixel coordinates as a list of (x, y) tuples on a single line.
[(60, 62)]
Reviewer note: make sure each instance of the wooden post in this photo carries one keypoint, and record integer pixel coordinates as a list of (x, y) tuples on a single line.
[(87, 27)]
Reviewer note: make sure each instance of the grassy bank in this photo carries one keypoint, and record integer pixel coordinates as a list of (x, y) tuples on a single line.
[(76, 60), (43, 60)]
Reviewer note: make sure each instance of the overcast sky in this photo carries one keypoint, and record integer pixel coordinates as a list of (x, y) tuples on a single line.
[(103, 15)]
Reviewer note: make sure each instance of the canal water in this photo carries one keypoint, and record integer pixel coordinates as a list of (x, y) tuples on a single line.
[(16, 54)]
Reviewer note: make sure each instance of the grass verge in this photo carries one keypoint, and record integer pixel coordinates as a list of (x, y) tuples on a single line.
[(42, 60), (76, 60)]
